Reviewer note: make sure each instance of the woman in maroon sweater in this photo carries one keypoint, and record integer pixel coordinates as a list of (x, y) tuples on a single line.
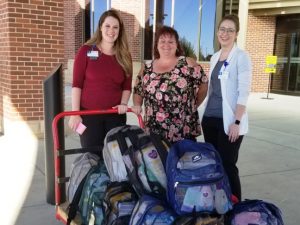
[(102, 79)]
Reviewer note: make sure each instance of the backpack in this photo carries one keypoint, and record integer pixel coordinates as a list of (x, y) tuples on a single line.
[(79, 168), (204, 219), (116, 143), (151, 211), (197, 181), (131, 154), (119, 201), (255, 212), (91, 200)]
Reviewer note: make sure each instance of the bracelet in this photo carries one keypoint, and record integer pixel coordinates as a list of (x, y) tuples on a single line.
[(122, 103)]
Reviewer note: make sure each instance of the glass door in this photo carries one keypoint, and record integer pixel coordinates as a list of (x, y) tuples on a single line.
[(294, 75), (287, 76)]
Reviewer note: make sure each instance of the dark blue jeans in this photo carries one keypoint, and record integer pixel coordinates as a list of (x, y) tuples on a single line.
[(213, 131)]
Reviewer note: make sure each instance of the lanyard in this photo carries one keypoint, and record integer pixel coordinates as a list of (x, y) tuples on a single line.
[(223, 73)]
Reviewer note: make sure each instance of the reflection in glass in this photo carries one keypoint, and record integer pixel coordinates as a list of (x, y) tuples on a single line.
[(186, 16), (148, 36), (208, 15), (193, 19), (294, 78), (287, 49), (97, 7)]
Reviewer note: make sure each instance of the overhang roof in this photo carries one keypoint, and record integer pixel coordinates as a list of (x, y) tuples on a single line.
[(274, 7)]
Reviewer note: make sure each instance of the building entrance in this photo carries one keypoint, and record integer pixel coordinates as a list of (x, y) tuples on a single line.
[(287, 49)]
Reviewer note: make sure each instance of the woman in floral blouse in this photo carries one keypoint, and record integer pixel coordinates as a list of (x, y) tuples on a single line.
[(171, 87)]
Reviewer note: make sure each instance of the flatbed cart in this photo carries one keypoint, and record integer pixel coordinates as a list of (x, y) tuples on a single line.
[(62, 207)]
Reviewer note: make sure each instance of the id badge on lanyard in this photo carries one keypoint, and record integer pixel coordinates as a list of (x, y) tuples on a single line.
[(223, 74)]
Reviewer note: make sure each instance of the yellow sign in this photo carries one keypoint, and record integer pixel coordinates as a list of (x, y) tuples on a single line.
[(271, 61)]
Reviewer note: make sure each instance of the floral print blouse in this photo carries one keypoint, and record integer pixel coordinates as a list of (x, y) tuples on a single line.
[(170, 100)]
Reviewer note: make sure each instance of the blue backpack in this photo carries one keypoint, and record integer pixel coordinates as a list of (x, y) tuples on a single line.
[(197, 182), (93, 192), (151, 211), (255, 212)]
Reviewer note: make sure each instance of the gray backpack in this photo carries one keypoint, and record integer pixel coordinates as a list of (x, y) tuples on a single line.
[(132, 155), (79, 169), (112, 151)]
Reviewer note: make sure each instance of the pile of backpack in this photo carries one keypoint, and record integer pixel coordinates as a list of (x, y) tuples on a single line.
[(142, 180)]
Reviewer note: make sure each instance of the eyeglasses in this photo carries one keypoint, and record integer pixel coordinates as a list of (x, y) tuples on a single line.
[(229, 31)]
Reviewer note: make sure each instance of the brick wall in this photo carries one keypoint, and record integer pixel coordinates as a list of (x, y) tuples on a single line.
[(4, 55), (259, 44), (74, 27), (32, 45)]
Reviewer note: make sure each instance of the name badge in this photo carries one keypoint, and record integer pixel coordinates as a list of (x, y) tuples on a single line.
[(223, 75), (93, 54)]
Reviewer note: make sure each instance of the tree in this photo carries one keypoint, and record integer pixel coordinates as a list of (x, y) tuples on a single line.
[(189, 50)]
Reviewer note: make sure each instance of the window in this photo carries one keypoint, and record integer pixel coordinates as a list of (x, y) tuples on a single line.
[(195, 21), (207, 33), (97, 7), (186, 22)]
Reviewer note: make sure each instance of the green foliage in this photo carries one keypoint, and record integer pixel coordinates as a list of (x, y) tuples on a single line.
[(188, 49)]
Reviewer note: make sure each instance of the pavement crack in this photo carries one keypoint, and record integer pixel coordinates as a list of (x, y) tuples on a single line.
[(275, 130), (271, 172), (33, 206), (271, 142), (40, 170)]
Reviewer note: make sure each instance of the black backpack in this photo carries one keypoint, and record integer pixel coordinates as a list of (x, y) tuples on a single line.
[(119, 201)]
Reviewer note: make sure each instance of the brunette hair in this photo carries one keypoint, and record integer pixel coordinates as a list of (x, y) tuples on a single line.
[(121, 47), (165, 30), (234, 19)]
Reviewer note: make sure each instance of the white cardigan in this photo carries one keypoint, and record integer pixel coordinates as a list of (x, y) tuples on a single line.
[(235, 87)]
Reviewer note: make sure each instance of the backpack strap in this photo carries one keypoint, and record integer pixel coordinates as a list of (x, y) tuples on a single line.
[(121, 135), (121, 141), (133, 175), (73, 207), (162, 150)]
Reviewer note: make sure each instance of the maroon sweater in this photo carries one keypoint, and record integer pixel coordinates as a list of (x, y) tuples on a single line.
[(101, 81)]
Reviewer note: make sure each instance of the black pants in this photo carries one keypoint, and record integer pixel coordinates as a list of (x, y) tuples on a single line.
[(213, 131), (97, 128)]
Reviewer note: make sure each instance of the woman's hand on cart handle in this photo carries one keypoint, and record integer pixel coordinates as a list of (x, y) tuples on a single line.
[(122, 108), (74, 121)]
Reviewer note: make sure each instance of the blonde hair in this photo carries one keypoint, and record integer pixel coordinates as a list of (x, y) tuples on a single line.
[(121, 47)]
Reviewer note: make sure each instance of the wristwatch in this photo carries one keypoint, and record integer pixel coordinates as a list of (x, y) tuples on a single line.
[(237, 122)]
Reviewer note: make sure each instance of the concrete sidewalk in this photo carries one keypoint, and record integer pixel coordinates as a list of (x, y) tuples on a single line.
[(269, 164)]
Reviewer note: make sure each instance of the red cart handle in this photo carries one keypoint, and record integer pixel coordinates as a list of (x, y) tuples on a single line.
[(84, 112), (56, 139)]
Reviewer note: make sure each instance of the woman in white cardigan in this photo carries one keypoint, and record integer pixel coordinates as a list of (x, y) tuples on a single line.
[(225, 119)]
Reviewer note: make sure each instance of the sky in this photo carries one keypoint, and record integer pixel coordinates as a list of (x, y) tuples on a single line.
[(186, 20)]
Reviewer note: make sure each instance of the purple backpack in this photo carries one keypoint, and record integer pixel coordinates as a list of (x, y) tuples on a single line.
[(256, 212)]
